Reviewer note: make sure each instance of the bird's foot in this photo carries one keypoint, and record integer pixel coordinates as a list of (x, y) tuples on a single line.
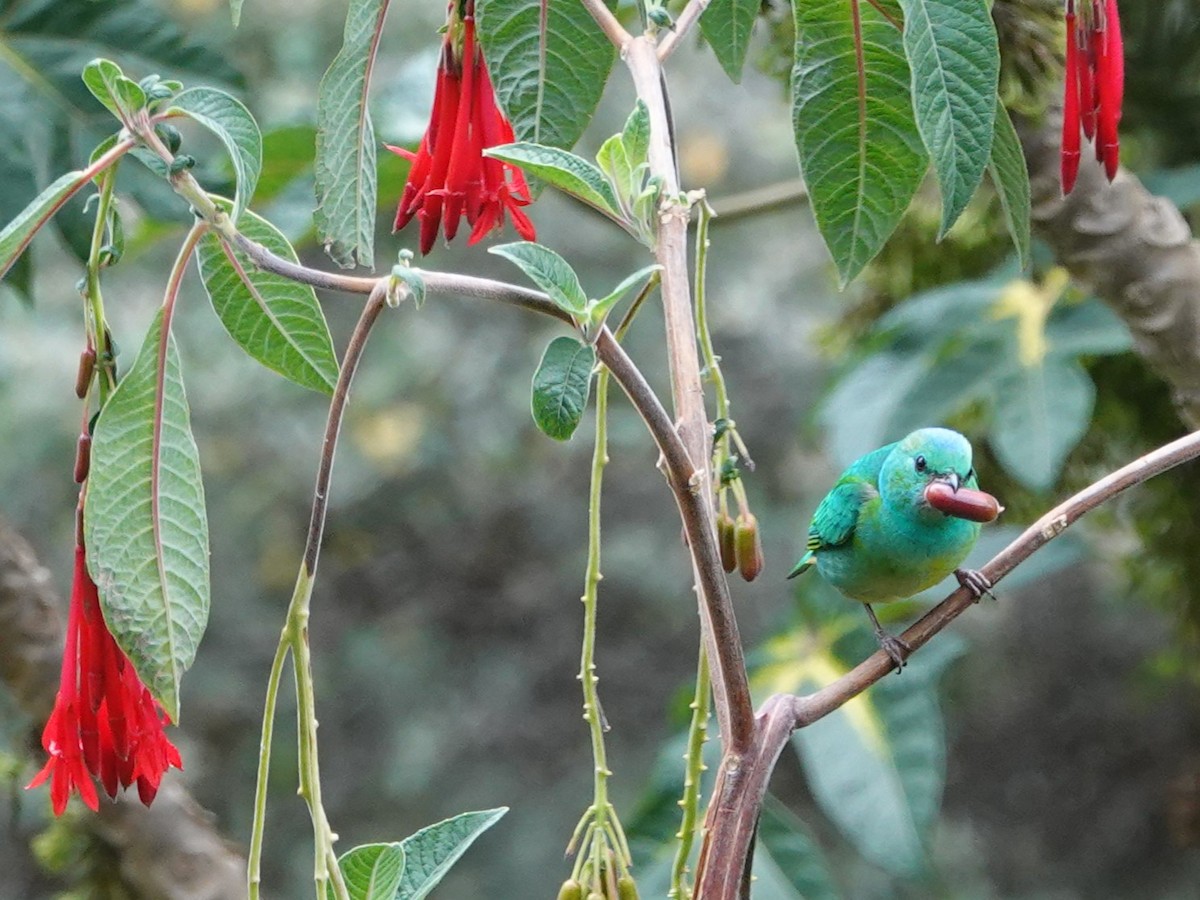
[(975, 582), (897, 648)]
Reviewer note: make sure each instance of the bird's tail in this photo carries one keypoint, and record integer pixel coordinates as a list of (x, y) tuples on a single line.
[(807, 561)]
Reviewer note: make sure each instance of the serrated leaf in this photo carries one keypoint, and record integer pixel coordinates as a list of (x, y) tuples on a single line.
[(561, 386), (727, 26), (226, 117), (433, 850), (564, 170), (548, 83), (1010, 176), (860, 152), (636, 134), (1038, 418), (954, 57), (20, 231), (372, 871), (345, 161), (549, 271), (145, 526), (18, 182), (277, 321)]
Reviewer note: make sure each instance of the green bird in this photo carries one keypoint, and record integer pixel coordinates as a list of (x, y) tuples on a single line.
[(878, 535)]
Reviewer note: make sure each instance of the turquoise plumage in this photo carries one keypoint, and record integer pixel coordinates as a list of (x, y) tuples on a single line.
[(877, 538)]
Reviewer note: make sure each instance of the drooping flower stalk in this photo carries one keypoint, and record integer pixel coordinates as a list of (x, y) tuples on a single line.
[(105, 724), (1095, 86), (450, 177)]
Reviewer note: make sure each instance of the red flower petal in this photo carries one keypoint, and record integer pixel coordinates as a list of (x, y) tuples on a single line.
[(1071, 117)]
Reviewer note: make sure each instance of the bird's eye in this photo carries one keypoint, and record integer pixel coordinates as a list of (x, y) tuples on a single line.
[(970, 474), (920, 463)]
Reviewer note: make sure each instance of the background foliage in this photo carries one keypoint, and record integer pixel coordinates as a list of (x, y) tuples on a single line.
[(1050, 746)]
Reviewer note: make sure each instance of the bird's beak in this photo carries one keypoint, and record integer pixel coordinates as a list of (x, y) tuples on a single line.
[(952, 479)]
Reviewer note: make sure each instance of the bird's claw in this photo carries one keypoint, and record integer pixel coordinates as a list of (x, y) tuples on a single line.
[(897, 648), (975, 582)]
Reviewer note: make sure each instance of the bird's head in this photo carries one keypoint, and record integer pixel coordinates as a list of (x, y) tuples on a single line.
[(924, 457)]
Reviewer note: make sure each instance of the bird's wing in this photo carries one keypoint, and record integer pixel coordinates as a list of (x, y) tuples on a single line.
[(833, 522)]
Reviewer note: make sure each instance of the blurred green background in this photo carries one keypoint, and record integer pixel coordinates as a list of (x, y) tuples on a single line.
[(1063, 720)]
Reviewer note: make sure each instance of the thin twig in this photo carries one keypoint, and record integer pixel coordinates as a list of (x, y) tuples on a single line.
[(689, 17), (731, 833), (612, 28), (755, 201)]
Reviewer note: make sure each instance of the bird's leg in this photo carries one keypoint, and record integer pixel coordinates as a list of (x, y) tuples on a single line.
[(897, 648), (975, 582)]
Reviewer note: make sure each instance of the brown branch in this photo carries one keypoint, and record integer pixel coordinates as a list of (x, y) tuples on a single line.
[(735, 807), (1134, 249), (170, 850), (731, 689)]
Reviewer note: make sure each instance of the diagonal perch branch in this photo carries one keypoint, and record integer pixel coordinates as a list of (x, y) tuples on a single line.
[(735, 808)]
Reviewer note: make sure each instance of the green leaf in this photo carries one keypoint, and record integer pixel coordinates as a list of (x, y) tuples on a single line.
[(549, 271), (636, 134), (877, 764), (20, 231), (1086, 329), (235, 10), (229, 120), (274, 319), (1008, 172), (372, 871), (561, 386), (955, 60), (144, 521), (859, 148), (345, 162), (727, 25), (547, 83), (614, 162), (789, 855), (109, 85), (433, 850), (569, 173), (598, 309), (1039, 417)]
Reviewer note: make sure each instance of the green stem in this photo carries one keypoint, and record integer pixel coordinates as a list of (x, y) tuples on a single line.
[(690, 803), (259, 826), (587, 665), (99, 332)]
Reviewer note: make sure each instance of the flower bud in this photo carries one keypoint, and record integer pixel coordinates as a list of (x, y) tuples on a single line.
[(83, 375), (83, 458), (725, 540), (748, 546), (626, 888), (570, 890)]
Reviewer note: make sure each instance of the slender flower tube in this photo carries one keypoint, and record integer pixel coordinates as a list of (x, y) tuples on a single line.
[(105, 724), (450, 178), (1095, 86)]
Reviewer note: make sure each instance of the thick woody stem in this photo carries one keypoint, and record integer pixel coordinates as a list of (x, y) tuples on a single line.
[(731, 689)]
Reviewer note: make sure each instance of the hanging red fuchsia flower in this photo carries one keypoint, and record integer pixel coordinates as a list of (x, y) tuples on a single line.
[(105, 723), (1095, 85), (450, 177)]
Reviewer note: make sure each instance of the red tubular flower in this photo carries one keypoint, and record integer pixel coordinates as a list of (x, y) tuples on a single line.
[(105, 723), (1095, 86), (450, 177)]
